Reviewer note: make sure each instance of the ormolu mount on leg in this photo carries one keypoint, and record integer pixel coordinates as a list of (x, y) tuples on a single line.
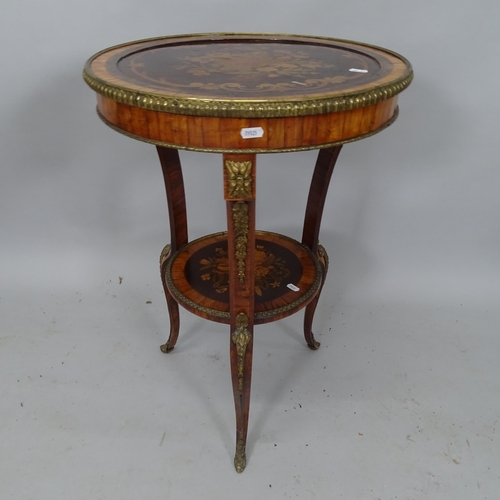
[(241, 338)]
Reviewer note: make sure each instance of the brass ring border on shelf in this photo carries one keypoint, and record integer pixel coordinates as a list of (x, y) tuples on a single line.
[(251, 150), (214, 313)]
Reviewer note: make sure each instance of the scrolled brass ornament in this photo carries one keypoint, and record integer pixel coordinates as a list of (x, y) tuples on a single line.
[(165, 254), (240, 219), (241, 338)]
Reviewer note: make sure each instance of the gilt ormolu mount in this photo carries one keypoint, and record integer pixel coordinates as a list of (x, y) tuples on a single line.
[(239, 95)]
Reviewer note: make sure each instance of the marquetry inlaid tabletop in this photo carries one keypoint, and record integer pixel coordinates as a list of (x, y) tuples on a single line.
[(247, 75)]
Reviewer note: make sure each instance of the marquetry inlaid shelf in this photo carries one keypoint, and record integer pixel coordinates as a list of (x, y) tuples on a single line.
[(240, 95), (287, 277)]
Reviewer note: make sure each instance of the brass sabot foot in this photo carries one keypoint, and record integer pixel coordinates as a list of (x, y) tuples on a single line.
[(166, 348), (315, 344), (240, 459)]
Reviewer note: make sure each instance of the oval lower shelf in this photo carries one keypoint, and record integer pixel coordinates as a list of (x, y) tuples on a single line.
[(287, 277)]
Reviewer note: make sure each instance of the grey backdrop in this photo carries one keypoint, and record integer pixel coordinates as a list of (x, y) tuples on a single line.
[(411, 220)]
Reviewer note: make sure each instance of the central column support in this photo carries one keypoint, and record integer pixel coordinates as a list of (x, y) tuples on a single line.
[(239, 192)]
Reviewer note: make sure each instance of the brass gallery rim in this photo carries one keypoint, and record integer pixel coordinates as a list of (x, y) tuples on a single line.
[(247, 75)]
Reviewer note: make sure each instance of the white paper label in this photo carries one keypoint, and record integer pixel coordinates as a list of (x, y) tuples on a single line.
[(293, 287), (356, 70), (252, 132)]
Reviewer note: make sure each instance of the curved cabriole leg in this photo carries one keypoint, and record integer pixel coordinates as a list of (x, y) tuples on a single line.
[(173, 307), (173, 311), (312, 224), (239, 192), (176, 200), (241, 371), (312, 343)]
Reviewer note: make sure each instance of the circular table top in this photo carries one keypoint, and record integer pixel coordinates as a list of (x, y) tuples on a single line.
[(247, 75)]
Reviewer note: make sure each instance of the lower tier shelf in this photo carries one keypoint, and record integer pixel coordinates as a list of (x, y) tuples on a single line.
[(287, 277)]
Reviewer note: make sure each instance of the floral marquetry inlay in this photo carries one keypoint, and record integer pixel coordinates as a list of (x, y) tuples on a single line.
[(202, 268), (270, 270), (250, 69)]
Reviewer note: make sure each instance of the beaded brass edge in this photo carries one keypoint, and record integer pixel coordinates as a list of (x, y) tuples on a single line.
[(250, 108), (224, 316), (251, 150)]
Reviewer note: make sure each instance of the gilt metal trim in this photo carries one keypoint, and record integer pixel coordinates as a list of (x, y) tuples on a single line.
[(165, 254), (248, 109), (223, 316), (241, 338), (239, 176), (240, 458), (322, 254), (240, 108), (240, 219)]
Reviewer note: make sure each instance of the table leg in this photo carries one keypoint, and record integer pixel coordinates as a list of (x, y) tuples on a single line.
[(173, 307), (176, 200), (312, 223), (239, 192)]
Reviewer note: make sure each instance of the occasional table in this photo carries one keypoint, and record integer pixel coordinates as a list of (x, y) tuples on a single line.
[(240, 95)]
